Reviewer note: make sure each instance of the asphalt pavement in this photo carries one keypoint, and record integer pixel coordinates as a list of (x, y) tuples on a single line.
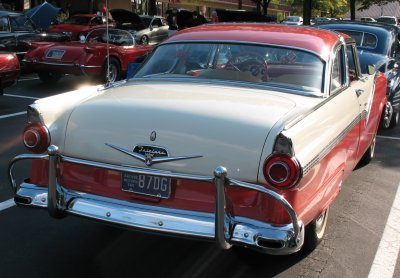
[(357, 242)]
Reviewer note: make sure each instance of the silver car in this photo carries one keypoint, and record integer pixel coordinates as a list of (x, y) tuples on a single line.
[(156, 30), (146, 29)]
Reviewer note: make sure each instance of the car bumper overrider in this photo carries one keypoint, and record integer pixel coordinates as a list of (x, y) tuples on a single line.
[(226, 229)]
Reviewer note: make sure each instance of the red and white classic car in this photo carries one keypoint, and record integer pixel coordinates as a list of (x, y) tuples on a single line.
[(239, 133), (51, 60), (9, 70)]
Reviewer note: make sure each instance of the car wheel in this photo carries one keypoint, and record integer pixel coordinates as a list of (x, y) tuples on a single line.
[(395, 120), (387, 115), (144, 40), (114, 71), (315, 231), (49, 77), (369, 154)]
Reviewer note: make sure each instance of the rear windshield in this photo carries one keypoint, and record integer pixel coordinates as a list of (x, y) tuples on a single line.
[(261, 64), (363, 39), (388, 20)]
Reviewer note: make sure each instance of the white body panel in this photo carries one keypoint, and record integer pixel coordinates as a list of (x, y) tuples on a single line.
[(225, 125)]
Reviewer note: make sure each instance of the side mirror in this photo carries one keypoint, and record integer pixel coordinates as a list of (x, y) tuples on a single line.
[(371, 69)]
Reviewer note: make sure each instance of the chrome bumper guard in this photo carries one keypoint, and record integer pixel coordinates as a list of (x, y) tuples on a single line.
[(226, 229)]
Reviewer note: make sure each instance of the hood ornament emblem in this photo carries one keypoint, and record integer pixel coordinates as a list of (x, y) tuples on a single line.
[(153, 136), (150, 154)]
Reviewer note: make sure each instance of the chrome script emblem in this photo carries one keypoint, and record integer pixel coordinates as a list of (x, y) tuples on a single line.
[(153, 136), (150, 154)]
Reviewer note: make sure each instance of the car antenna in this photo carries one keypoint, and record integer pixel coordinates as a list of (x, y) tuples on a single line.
[(108, 51)]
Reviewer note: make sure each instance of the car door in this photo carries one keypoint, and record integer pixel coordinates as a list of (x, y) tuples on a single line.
[(7, 38), (156, 33), (364, 88)]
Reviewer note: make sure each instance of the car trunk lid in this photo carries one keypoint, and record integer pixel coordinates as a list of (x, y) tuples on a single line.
[(216, 125)]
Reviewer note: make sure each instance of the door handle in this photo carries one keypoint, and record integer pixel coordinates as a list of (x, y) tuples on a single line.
[(359, 92)]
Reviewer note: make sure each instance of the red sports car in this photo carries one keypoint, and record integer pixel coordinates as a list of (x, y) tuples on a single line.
[(79, 24), (51, 60), (9, 70)]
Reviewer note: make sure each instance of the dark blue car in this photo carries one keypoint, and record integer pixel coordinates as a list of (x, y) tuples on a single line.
[(377, 44)]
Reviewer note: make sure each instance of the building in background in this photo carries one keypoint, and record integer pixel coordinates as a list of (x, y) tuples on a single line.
[(141, 6), (375, 11)]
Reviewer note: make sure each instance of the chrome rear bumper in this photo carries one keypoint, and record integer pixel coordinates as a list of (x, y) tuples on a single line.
[(226, 229)]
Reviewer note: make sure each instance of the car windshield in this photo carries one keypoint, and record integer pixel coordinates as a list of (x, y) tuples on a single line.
[(78, 20), (115, 36), (292, 19), (388, 20), (22, 23), (146, 20), (260, 64)]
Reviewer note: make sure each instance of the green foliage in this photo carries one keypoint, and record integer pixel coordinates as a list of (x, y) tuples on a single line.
[(325, 8)]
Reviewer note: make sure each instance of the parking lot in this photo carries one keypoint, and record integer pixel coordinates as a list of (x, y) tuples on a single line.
[(362, 237)]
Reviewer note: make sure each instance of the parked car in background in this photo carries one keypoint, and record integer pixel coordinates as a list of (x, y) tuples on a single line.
[(146, 29), (293, 20), (392, 20), (17, 31), (229, 132), (378, 44), (156, 31), (367, 19), (9, 70), (79, 25), (52, 60)]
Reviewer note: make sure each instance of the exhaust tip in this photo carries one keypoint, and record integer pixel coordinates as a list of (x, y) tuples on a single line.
[(271, 244), (19, 200)]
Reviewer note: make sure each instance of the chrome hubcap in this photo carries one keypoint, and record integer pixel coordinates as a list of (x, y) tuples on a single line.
[(112, 73), (388, 115)]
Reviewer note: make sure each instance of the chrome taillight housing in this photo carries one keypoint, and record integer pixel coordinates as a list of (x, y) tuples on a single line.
[(36, 138), (281, 170)]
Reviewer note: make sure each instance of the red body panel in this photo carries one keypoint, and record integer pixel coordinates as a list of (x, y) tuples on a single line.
[(82, 58), (9, 69)]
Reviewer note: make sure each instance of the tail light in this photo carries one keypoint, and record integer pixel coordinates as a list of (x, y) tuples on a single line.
[(36, 138), (282, 170)]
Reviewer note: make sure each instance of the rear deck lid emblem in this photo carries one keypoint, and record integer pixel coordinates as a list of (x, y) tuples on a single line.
[(150, 154)]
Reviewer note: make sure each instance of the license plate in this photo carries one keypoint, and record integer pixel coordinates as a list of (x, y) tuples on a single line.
[(147, 185), (55, 54)]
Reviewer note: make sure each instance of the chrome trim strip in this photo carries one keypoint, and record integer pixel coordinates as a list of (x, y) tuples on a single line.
[(219, 82), (332, 144), (226, 229), (60, 65)]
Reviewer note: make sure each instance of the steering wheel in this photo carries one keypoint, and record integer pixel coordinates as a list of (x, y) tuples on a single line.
[(253, 62)]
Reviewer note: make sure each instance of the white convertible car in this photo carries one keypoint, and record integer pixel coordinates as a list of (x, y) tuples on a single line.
[(238, 133)]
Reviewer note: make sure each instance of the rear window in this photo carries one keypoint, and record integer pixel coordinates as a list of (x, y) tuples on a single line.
[(260, 64), (363, 39)]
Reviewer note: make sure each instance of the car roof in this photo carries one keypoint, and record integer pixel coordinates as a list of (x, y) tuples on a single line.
[(309, 38), (371, 27)]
